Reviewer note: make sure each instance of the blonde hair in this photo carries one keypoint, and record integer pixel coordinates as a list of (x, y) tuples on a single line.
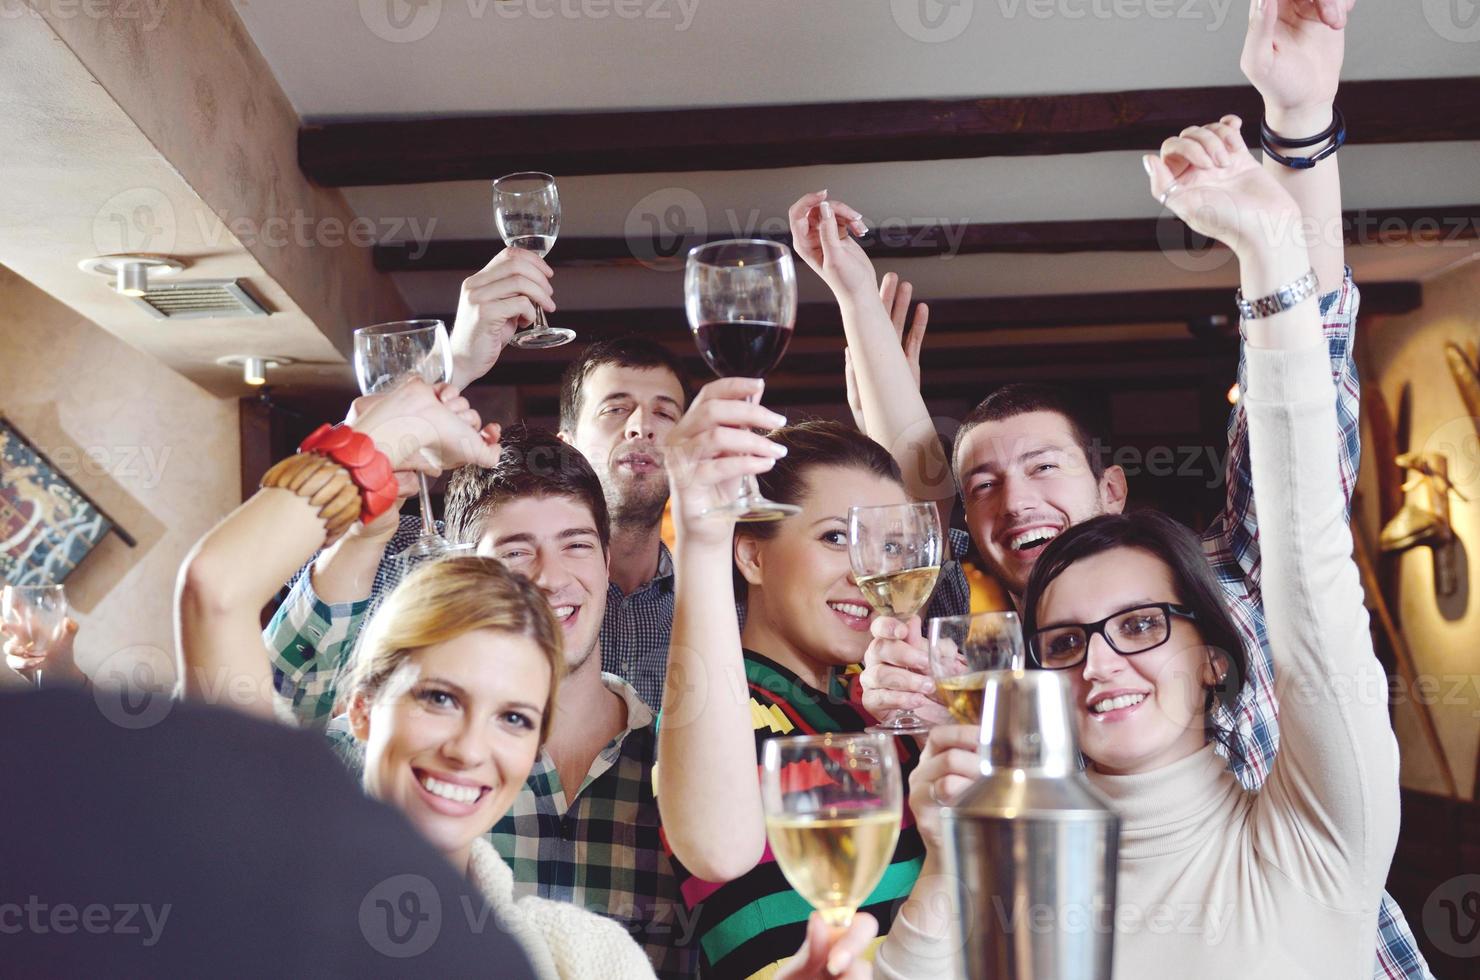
[(441, 601)]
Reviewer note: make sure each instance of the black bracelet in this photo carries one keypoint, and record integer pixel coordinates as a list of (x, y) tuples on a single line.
[(1338, 125), (1268, 139)]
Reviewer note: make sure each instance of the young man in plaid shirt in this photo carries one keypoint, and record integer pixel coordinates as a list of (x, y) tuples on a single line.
[(584, 828)]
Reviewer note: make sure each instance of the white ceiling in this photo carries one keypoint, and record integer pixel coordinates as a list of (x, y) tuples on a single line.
[(342, 59), (345, 58)]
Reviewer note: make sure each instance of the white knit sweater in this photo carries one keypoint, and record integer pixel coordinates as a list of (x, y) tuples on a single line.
[(1284, 882), (563, 941)]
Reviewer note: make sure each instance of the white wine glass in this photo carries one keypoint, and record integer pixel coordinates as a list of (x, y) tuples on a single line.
[(895, 552), (387, 355), (36, 614), (741, 301), (833, 806), (964, 648), (526, 211)]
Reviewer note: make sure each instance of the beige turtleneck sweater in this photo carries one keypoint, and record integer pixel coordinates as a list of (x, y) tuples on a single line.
[(1285, 881), (1282, 883)]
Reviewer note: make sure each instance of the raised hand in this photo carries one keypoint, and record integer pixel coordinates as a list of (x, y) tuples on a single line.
[(1292, 54), (710, 449), (425, 428), (1208, 178), (895, 295), (820, 235), (494, 302), (25, 654), (896, 672)]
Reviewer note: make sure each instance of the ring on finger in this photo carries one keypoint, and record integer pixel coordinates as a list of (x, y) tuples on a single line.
[(1171, 188)]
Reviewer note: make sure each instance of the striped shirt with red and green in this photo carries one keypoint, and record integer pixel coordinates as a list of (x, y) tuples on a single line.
[(746, 927)]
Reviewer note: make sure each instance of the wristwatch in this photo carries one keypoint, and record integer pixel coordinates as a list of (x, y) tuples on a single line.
[(1289, 295)]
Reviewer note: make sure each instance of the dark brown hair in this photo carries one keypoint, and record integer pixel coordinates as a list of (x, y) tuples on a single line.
[(817, 443), (532, 463), (1017, 399), (629, 352), (1197, 588)]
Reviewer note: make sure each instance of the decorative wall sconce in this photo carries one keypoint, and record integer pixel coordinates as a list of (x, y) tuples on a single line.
[(1424, 519)]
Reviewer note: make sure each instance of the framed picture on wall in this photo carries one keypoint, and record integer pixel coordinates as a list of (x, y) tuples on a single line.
[(47, 524)]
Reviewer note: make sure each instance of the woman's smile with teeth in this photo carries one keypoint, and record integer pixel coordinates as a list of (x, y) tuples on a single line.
[(449, 791), (1115, 703), (855, 609)]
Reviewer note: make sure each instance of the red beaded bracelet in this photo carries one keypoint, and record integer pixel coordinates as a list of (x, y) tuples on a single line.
[(368, 467)]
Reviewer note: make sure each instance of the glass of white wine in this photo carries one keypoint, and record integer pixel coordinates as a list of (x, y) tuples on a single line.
[(37, 615), (833, 805), (526, 211), (895, 551), (963, 649)]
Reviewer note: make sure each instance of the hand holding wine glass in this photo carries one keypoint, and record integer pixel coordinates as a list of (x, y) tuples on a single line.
[(833, 805), (492, 305), (526, 211), (896, 672), (895, 551), (711, 449), (37, 629), (387, 356)]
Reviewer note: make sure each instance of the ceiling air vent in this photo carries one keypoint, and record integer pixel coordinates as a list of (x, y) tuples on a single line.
[(199, 299)]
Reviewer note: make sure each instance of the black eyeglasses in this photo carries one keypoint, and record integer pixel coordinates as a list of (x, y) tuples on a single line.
[(1128, 632)]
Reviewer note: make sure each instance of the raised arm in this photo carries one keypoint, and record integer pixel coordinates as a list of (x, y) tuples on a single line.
[(233, 571), (1327, 816), (888, 393), (709, 793)]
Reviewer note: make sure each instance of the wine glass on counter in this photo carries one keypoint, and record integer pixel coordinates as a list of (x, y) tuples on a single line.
[(387, 355), (963, 649), (526, 210), (36, 614), (833, 806), (741, 300), (895, 551)]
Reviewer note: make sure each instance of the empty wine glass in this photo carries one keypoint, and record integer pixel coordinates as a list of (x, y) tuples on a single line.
[(36, 614), (386, 355), (833, 805), (963, 649), (741, 299), (895, 553), (526, 210)]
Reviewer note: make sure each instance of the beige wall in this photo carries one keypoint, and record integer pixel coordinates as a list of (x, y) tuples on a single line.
[(155, 451), (1443, 633)]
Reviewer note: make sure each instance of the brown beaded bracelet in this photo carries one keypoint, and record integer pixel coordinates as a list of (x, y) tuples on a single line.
[(327, 486)]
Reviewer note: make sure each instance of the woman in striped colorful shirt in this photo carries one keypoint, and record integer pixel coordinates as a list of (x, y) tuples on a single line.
[(786, 674)]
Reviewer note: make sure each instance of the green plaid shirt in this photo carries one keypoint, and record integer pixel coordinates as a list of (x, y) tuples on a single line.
[(307, 642), (602, 850)]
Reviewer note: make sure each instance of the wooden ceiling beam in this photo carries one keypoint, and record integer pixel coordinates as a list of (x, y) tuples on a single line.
[(1442, 225), (412, 151)]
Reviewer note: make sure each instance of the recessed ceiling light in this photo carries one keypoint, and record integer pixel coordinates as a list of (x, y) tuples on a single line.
[(254, 366), (130, 273)]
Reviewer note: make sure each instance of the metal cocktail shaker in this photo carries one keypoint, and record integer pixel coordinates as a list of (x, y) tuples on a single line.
[(1032, 844)]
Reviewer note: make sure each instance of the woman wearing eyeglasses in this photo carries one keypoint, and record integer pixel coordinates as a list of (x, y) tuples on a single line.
[(1218, 881)]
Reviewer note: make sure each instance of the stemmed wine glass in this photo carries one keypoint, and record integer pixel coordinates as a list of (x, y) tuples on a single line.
[(526, 209), (386, 355), (964, 648), (741, 299), (833, 806), (37, 613), (895, 553)]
